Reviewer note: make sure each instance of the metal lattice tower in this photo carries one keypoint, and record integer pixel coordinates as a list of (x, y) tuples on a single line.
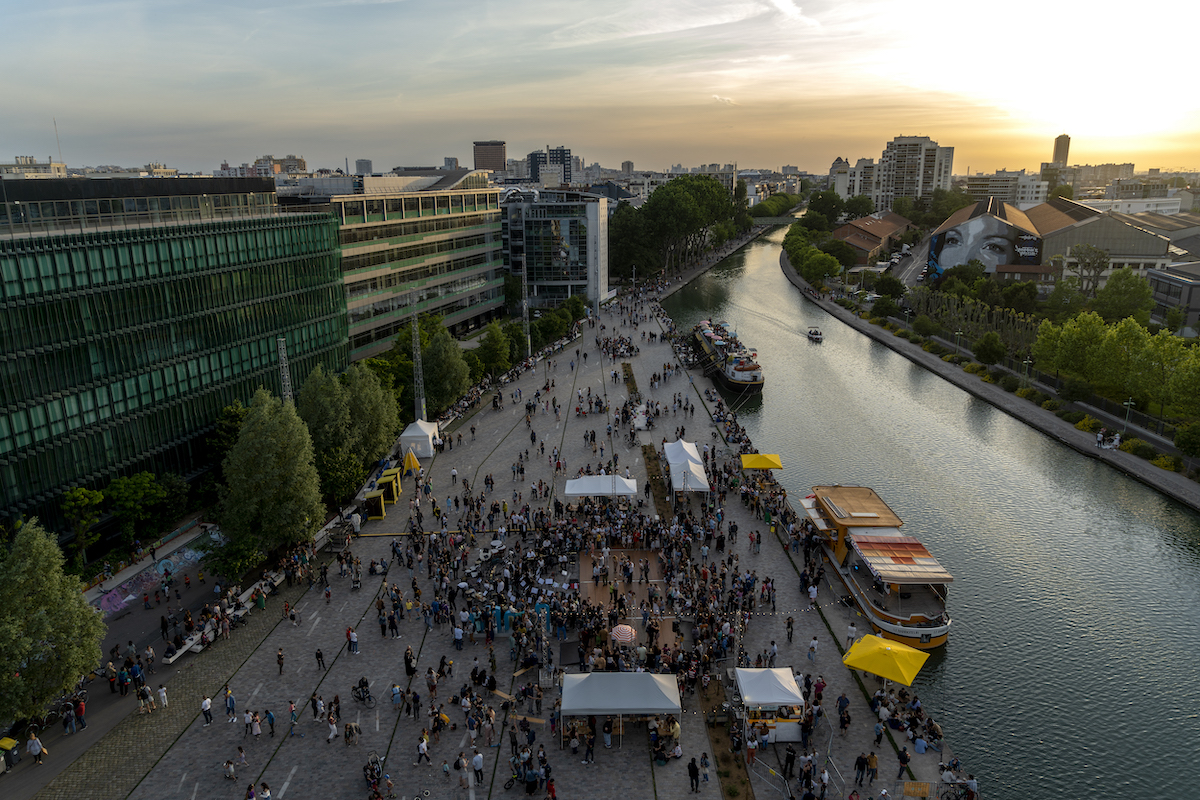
[(525, 308), (418, 371), (285, 375)]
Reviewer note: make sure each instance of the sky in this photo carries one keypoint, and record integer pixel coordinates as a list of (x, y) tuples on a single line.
[(760, 83)]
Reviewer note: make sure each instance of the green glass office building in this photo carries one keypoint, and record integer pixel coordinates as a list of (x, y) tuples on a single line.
[(134, 310)]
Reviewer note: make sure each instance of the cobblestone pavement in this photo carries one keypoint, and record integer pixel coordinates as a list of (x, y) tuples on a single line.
[(174, 755)]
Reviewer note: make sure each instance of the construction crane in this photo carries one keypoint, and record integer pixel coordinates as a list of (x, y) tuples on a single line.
[(418, 371), (285, 375)]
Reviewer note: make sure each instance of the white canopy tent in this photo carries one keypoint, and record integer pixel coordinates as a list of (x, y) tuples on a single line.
[(688, 476), (768, 687), (419, 437), (682, 451), (601, 486), (620, 693)]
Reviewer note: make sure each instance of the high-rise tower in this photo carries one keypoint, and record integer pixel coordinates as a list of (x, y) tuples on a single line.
[(1062, 146)]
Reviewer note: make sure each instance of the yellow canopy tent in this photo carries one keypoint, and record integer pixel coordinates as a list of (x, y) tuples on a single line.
[(411, 463), (761, 461), (886, 658), (389, 484), (373, 504), (395, 472)]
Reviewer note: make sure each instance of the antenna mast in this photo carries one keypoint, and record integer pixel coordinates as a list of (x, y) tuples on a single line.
[(57, 142), (418, 370), (285, 375)]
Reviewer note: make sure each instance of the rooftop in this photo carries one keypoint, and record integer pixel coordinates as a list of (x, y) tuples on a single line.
[(856, 506)]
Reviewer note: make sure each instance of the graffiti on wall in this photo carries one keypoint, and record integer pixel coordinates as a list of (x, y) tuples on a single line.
[(145, 582)]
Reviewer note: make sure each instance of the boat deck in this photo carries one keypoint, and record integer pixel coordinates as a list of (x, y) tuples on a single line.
[(922, 603)]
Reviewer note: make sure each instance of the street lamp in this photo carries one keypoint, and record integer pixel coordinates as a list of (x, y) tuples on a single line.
[(907, 311), (1129, 404), (1027, 362), (957, 334)]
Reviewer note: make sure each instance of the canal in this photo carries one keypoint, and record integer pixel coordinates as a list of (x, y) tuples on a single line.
[(1071, 669)]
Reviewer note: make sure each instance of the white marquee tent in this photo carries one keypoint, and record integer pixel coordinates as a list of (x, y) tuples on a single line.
[(681, 451), (620, 693), (688, 476), (768, 687), (601, 486), (419, 436)]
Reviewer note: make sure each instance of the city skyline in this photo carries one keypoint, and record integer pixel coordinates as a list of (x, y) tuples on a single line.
[(759, 82)]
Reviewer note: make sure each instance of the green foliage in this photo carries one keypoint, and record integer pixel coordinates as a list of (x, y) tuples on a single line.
[(1136, 447), (222, 439), (474, 365), (814, 221), (975, 368), (1090, 425), (514, 332), (493, 351), (1020, 296), (969, 273), (325, 408), (272, 498), (1026, 392), (447, 375), (1063, 190), (986, 290), (885, 307), (905, 207), (673, 227), (132, 499), (1010, 383), (1071, 417), (1167, 462), (818, 266), (846, 255), (1125, 294), (925, 326), (1074, 390), (1065, 300), (630, 243), (1079, 346), (1185, 383), (49, 634), (1187, 439), (1045, 349), (1051, 405), (890, 286), (859, 206), (1090, 263), (828, 204), (1174, 318), (576, 306), (81, 508), (989, 348), (777, 205), (174, 502)]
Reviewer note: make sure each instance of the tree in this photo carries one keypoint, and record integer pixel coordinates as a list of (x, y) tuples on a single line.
[(968, 273), (828, 204), (819, 266), (1020, 296), (447, 375), (493, 351), (373, 420), (222, 439), (1090, 264), (1125, 294), (474, 365), (81, 508), (989, 348), (890, 286), (132, 498), (1079, 345), (1187, 439), (1161, 359), (924, 326), (49, 634), (1045, 348), (518, 346), (846, 255), (815, 221), (1065, 300), (174, 502), (323, 405), (885, 307), (904, 207), (987, 291), (859, 206), (1120, 353), (576, 306), (1063, 190), (272, 498), (1185, 383), (1175, 317)]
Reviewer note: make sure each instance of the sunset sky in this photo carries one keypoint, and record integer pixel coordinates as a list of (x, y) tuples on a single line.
[(760, 82)]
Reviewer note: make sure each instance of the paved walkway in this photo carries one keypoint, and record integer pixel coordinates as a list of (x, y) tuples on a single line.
[(174, 755)]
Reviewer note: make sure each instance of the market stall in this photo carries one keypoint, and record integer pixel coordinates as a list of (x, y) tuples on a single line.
[(771, 698), (601, 486), (389, 484), (373, 503), (632, 695)]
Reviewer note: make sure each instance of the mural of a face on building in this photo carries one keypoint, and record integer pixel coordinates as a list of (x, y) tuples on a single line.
[(989, 239)]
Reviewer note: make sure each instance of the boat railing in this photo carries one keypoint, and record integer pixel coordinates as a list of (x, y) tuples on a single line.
[(916, 619)]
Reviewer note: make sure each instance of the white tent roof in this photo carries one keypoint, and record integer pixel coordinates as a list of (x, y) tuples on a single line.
[(682, 451), (601, 486), (620, 693), (768, 687), (696, 481), (419, 436)]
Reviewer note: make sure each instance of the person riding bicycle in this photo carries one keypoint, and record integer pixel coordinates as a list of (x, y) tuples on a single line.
[(363, 689)]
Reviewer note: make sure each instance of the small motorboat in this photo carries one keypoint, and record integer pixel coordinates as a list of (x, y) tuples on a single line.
[(815, 335)]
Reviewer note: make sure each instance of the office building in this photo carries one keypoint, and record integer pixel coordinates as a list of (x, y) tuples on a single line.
[(29, 167), (264, 167), (491, 155), (419, 239), (1008, 186), (726, 175), (627, 167), (1177, 286), (559, 240), (1062, 147), (911, 166), (362, 166), (135, 310), (551, 156), (449, 163)]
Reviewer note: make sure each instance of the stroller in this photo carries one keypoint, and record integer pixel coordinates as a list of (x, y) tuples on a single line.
[(373, 769)]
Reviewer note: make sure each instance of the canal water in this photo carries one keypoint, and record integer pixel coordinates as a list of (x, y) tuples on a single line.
[(1071, 669)]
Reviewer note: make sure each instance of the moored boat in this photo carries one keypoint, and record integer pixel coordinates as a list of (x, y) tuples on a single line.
[(892, 578), (733, 364)]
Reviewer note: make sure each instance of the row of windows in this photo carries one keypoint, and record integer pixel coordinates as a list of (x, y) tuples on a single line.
[(124, 446), (401, 231), (66, 368), (425, 272), (64, 318), (62, 263), (413, 253), (416, 204), (404, 300), (484, 304), (57, 214), (54, 416)]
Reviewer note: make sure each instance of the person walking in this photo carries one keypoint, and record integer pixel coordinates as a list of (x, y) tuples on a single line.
[(903, 757), (270, 718), (812, 650), (694, 776), (162, 695), (872, 768), (704, 765), (423, 752), (35, 748), (279, 660), (230, 704), (320, 659), (206, 710), (860, 769), (589, 755), (333, 734)]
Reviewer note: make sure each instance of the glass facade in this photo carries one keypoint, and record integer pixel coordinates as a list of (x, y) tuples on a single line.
[(121, 345)]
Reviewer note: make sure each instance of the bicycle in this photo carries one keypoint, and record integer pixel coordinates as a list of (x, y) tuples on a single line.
[(954, 791), (363, 695)]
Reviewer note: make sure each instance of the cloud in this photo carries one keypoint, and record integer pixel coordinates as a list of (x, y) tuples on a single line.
[(726, 100), (792, 11)]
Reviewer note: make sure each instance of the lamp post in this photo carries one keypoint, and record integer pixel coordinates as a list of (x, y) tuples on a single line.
[(957, 334), (1027, 362), (1129, 404), (907, 311)]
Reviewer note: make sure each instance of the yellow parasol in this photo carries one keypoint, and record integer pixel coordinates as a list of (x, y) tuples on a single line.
[(411, 464), (761, 461), (886, 658)]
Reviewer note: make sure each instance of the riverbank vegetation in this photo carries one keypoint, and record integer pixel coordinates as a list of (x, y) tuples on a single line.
[(680, 221)]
